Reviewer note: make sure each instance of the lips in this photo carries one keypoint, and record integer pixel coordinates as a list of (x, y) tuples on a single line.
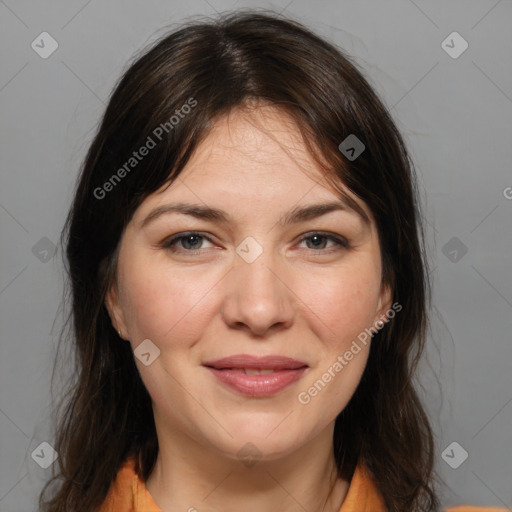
[(251, 371), (256, 376), (257, 364)]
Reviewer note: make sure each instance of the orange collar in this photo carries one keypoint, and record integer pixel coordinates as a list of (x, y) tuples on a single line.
[(129, 493)]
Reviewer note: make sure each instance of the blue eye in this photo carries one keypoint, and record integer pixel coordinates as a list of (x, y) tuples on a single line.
[(191, 241), (184, 239), (315, 237)]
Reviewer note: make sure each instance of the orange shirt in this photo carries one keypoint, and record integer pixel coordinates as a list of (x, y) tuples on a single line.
[(129, 494)]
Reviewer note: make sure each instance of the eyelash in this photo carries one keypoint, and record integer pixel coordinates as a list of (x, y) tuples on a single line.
[(170, 243)]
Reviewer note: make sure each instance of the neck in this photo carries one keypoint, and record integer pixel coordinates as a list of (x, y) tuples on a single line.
[(189, 475)]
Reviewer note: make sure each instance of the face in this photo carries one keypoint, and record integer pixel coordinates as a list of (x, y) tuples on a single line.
[(252, 280)]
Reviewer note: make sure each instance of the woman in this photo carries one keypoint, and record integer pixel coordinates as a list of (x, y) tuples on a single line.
[(249, 287)]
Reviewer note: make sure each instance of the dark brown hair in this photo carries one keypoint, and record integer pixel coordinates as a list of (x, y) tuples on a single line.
[(223, 64)]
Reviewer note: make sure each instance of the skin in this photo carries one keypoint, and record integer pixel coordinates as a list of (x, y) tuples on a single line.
[(297, 299)]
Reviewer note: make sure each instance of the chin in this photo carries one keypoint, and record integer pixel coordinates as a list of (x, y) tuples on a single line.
[(251, 443)]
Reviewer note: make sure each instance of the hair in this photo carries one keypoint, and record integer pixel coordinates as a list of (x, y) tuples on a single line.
[(215, 66)]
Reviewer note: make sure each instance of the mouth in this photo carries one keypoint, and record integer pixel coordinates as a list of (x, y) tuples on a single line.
[(267, 364), (249, 371), (257, 376)]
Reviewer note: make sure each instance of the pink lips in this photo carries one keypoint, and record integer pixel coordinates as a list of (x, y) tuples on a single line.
[(278, 372)]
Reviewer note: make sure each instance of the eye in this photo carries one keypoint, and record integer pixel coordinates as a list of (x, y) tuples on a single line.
[(189, 242), (318, 240)]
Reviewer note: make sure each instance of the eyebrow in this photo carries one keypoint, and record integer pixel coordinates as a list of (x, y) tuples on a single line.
[(296, 215)]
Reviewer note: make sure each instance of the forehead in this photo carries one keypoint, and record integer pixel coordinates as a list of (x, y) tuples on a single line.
[(254, 143), (253, 159)]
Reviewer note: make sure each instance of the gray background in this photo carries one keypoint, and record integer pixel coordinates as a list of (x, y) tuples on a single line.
[(455, 114)]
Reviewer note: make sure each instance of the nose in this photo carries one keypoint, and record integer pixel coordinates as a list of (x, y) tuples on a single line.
[(257, 297)]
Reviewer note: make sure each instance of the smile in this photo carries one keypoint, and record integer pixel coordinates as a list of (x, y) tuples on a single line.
[(257, 376)]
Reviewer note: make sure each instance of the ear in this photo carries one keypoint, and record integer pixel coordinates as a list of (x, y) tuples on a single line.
[(385, 301), (115, 310)]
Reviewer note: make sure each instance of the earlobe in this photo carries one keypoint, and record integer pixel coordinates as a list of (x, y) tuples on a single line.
[(114, 310), (385, 301)]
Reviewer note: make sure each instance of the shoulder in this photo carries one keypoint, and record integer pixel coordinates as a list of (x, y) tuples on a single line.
[(120, 494), (363, 495), (128, 493)]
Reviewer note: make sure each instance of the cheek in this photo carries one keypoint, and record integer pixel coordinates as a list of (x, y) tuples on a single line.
[(343, 302), (161, 303)]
